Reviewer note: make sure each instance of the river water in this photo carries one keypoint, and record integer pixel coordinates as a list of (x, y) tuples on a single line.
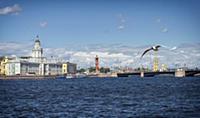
[(101, 97)]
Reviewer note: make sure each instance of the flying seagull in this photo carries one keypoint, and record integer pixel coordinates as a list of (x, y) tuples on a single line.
[(154, 48)]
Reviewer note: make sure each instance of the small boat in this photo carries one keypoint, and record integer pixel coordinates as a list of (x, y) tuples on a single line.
[(69, 76), (65, 77)]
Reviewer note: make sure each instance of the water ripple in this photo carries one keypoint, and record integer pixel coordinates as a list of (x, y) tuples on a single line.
[(119, 97)]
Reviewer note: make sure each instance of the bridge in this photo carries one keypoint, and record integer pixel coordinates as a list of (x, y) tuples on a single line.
[(188, 73)]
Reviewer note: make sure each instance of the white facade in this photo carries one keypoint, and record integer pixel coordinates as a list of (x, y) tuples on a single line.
[(21, 67), (52, 69), (13, 68), (18, 67)]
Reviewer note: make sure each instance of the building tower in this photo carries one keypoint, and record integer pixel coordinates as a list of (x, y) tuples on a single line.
[(37, 50), (155, 62), (97, 64)]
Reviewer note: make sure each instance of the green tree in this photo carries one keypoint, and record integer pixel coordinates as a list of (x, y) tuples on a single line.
[(104, 70), (82, 70), (92, 69)]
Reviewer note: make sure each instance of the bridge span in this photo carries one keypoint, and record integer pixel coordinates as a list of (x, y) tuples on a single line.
[(188, 73)]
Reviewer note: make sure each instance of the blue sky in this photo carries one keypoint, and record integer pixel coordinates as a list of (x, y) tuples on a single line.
[(131, 22), (118, 31)]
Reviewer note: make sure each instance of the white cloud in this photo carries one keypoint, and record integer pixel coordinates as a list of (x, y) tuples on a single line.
[(122, 18), (14, 48), (15, 9), (43, 24), (158, 20), (115, 55), (121, 27), (164, 30), (122, 21)]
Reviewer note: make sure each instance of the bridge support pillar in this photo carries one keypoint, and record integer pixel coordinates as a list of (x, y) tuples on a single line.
[(141, 74), (180, 73)]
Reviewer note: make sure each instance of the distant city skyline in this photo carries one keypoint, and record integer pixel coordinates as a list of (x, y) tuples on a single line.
[(117, 30)]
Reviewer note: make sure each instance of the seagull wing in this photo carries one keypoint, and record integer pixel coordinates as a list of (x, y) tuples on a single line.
[(146, 51), (158, 46)]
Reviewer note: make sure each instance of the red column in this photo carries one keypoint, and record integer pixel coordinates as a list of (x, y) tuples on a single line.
[(97, 63)]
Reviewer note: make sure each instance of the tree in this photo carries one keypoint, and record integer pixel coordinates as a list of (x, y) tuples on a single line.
[(104, 70), (92, 69), (82, 70)]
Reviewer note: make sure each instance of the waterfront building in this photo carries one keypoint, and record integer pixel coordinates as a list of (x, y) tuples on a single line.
[(36, 64), (1, 65), (20, 67), (69, 68), (52, 69), (3, 61)]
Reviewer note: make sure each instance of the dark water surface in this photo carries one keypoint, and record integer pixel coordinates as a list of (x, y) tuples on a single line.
[(96, 97)]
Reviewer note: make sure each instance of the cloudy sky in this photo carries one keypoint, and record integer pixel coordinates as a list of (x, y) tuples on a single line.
[(116, 30)]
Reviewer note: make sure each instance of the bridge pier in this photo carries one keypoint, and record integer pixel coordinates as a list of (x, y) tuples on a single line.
[(180, 73), (142, 74)]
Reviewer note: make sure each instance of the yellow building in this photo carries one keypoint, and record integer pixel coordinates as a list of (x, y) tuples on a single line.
[(64, 68), (3, 61), (68, 68)]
